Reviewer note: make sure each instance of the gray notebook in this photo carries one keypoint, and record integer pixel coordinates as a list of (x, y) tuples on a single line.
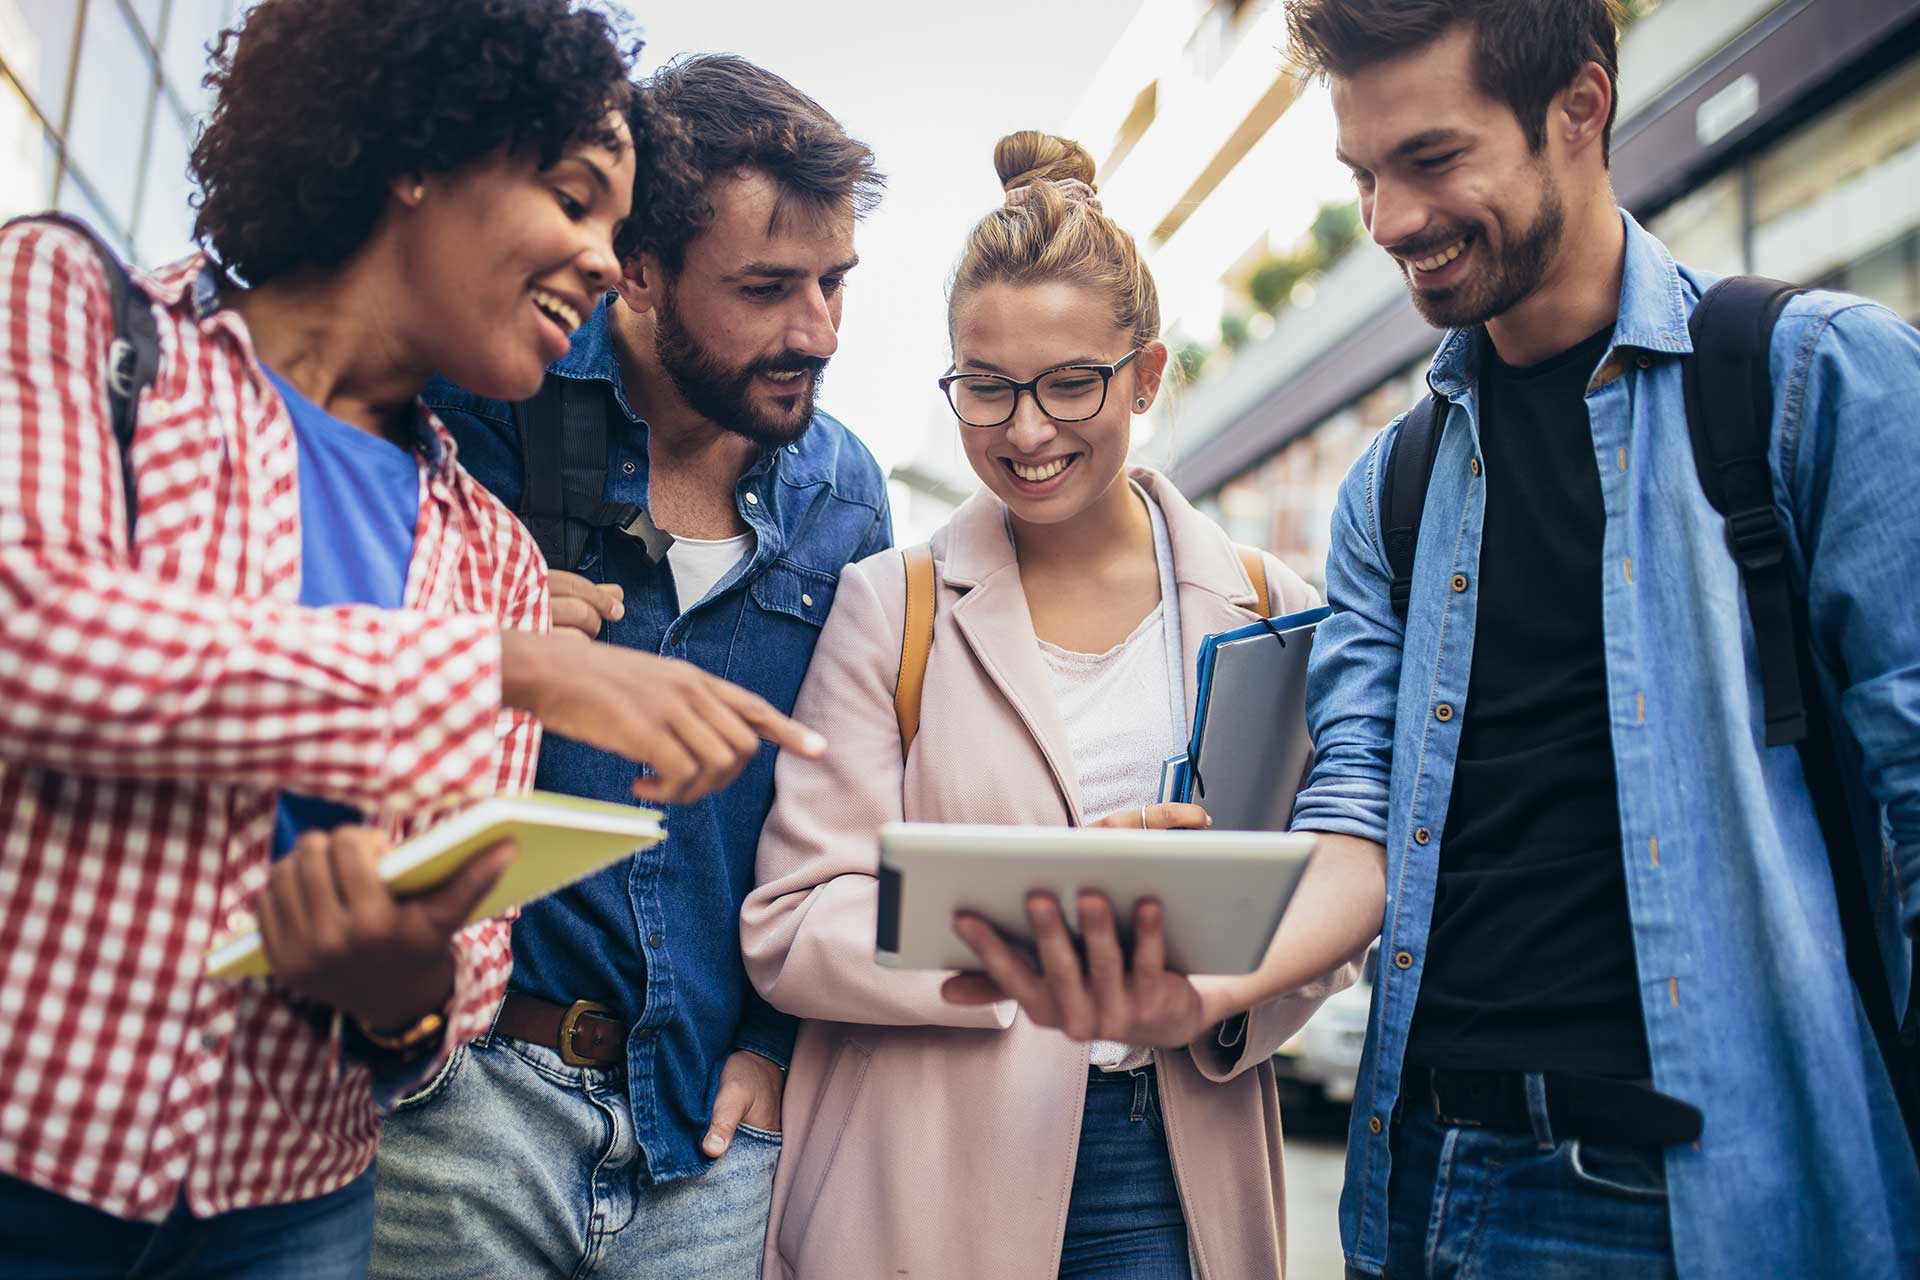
[(1249, 752)]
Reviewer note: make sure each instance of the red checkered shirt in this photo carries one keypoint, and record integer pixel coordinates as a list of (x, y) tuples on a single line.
[(153, 702)]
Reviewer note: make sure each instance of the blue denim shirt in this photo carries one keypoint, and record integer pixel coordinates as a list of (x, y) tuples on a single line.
[(657, 937), (1803, 1167)]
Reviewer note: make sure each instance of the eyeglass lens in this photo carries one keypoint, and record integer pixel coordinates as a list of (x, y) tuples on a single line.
[(1065, 395)]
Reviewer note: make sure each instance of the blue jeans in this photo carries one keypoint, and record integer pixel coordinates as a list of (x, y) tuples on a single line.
[(1467, 1202), (512, 1163), (1123, 1219), (43, 1236)]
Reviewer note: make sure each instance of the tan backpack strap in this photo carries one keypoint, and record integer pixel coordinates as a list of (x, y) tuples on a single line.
[(1256, 567), (916, 642)]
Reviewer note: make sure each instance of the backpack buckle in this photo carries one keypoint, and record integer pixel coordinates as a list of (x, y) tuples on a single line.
[(121, 362), (1755, 539)]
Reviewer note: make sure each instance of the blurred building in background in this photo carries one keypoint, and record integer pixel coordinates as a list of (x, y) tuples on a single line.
[(1780, 137), (98, 100)]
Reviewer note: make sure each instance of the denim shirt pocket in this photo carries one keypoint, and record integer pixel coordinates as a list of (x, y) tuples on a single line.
[(795, 591)]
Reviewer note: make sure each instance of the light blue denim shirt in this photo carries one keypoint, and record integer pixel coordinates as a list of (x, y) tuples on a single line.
[(1803, 1167)]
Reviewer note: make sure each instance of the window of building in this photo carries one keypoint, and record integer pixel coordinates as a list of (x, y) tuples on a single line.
[(36, 46), (1832, 198), (112, 95), (96, 100)]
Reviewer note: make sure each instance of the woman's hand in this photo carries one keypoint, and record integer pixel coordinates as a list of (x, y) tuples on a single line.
[(695, 732), (1104, 998), (1157, 817), (336, 935), (582, 605)]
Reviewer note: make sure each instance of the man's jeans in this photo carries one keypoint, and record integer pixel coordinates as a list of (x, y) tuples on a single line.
[(512, 1163), (1475, 1202), (43, 1236), (1123, 1217)]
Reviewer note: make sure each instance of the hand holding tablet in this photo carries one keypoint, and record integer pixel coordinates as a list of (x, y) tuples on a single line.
[(1112, 995)]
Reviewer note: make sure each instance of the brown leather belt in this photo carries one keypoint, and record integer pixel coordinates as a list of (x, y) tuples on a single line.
[(583, 1033)]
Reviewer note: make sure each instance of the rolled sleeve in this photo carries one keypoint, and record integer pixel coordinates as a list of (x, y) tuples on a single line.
[(1353, 676)]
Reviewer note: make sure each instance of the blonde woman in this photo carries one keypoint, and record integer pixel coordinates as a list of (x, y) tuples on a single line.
[(1121, 1122)]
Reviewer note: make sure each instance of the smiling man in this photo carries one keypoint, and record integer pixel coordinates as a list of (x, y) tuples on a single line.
[(1618, 1033), (624, 1114)]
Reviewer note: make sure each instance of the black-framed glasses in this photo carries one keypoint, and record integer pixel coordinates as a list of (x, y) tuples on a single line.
[(1069, 393)]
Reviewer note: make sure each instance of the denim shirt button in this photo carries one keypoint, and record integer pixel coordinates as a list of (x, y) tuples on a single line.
[(1459, 582), (655, 939), (1404, 960), (1423, 836), (753, 499), (806, 600), (1443, 712), (1473, 465), (626, 468), (1374, 1126)]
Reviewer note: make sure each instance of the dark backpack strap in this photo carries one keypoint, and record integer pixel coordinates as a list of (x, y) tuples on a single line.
[(564, 434), (543, 504), (1729, 398), (133, 361), (1403, 494)]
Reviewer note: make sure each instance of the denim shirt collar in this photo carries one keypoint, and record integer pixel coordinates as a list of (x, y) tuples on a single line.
[(775, 512), (1652, 317)]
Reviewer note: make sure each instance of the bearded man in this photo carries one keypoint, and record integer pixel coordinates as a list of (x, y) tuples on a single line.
[(624, 1113)]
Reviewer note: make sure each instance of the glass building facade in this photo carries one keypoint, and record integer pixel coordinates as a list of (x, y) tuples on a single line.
[(98, 105)]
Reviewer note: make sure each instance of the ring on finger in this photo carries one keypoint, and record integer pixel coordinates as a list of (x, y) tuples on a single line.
[(1143, 817)]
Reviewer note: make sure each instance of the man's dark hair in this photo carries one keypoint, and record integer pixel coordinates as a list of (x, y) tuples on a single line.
[(1524, 51), (730, 115), (322, 104)]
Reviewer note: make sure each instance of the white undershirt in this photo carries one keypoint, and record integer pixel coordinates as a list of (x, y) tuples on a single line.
[(698, 563), (1125, 713)]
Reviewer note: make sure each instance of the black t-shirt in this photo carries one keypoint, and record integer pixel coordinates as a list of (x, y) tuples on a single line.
[(1530, 962)]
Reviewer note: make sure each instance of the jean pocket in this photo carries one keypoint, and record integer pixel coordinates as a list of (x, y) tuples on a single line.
[(437, 1086), (768, 1136), (1639, 1173)]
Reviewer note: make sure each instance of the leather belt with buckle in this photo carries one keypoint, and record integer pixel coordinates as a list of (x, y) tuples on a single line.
[(583, 1033), (1593, 1108)]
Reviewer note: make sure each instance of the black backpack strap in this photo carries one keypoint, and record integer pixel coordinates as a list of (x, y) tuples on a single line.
[(564, 436), (1403, 493), (133, 361), (543, 506), (1729, 398)]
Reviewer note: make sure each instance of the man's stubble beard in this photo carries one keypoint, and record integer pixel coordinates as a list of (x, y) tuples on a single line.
[(723, 394), (1509, 281)]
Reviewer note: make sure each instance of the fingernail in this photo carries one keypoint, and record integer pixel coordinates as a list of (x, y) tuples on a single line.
[(813, 743), (1209, 819), (619, 611)]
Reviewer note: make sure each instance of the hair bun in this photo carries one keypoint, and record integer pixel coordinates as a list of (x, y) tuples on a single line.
[(1029, 156)]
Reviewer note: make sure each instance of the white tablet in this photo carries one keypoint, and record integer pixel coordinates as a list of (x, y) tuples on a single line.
[(1223, 891)]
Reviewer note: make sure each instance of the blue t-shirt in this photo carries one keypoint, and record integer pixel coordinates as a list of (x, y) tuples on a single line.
[(359, 504)]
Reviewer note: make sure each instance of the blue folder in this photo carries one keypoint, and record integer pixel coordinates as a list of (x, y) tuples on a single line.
[(1249, 750)]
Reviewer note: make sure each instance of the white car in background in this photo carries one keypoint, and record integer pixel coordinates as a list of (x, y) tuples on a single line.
[(1323, 1057)]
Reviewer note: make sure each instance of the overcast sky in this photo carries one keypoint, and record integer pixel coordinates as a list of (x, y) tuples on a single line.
[(930, 87)]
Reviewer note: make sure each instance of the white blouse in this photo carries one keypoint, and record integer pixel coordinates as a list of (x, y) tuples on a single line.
[(1125, 713)]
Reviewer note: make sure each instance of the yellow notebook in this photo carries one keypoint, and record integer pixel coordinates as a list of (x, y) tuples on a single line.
[(562, 839)]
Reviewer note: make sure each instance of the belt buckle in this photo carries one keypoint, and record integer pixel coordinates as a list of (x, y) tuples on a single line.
[(568, 1022)]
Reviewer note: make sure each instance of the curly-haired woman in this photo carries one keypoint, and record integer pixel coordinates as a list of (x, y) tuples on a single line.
[(301, 616)]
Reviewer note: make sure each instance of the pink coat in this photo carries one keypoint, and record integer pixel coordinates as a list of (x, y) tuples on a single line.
[(931, 1140)]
